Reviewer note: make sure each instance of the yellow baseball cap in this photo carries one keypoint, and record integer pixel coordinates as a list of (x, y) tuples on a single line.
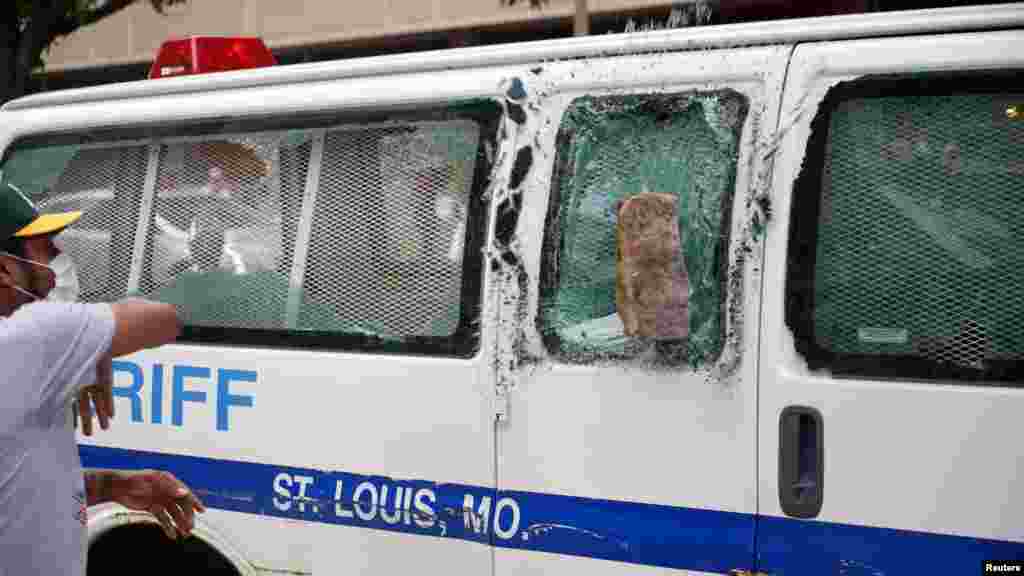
[(20, 218)]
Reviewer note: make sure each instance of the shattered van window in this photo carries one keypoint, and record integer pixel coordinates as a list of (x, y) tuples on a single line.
[(919, 241), (390, 229), (610, 149)]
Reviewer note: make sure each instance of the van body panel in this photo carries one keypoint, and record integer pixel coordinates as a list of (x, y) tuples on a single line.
[(683, 441), (918, 473), (270, 437), (545, 441), (338, 412)]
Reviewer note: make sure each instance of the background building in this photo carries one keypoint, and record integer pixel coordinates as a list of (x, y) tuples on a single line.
[(121, 47)]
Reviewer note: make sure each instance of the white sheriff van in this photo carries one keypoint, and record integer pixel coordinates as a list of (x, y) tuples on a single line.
[(741, 299)]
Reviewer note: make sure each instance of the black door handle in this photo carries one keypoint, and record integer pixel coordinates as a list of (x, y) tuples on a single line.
[(801, 461)]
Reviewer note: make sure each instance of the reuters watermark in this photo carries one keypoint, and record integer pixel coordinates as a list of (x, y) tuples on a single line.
[(1002, 567)]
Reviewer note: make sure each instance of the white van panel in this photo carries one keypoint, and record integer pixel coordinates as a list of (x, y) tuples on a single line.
[(378, 94), (918, 475), (384, 414), (519, 460), (586, 447), (314, 419)]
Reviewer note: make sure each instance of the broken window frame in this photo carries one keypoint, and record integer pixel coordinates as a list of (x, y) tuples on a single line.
[(666, 353)]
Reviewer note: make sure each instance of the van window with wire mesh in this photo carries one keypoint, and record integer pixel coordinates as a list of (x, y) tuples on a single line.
[(217, 232), (918, 253), (389, 229), (609, 150), (105, 182), (355, 233)]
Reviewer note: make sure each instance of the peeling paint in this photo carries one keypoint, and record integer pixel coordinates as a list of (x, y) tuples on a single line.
[(516, 90), (764, 202), (758, 214), (512, 312), (538, 530), (507, 220), (516, 113), (520, 167), (855, 568), (265, 570), (510, 258)]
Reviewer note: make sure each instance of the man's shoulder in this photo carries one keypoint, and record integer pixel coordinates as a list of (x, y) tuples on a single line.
[(41, 317), (28, 335), (32, 314), (39, 310)]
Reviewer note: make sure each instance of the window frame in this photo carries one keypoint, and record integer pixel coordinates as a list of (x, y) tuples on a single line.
[(553, 242), (464, 343), (801, 257)]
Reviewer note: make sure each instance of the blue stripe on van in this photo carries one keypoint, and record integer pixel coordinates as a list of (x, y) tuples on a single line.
[(637, 533), (790, 547), (654, 535)]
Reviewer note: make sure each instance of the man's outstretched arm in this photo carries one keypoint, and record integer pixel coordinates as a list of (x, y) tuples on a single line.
[(138, 325), (153, 491)]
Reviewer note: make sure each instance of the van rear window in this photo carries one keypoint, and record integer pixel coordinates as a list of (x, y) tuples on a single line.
[(350, 234), (906, 254)]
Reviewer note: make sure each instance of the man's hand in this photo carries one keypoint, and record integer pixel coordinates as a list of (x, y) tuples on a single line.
[(99, 396), (154, 491)]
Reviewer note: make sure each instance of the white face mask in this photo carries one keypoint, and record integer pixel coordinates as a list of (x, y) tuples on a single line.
[(65, 288)]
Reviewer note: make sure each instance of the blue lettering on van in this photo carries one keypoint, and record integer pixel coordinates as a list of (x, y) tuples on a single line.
[(179, 395), (130, 392), (157, 401), (637, 531), (447, 510), (188, 385), (225, 399)]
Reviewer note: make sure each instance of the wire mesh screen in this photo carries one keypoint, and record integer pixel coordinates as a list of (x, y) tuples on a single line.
[(105, 183), (349, 230), (614, 147), (217, 231), (389, 227), (919, 246)]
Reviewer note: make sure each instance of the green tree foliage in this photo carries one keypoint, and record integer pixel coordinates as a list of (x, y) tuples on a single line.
[(29, 27)]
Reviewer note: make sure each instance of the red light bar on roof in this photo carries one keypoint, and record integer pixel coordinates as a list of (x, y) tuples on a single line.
[(205, 54)]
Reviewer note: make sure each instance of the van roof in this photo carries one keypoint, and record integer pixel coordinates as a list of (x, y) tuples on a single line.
[(931, 21)]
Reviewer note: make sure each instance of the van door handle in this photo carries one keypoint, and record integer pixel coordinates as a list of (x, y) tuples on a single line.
[(801, 461)]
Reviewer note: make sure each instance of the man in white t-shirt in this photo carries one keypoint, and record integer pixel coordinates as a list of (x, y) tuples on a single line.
[(51, 353)]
